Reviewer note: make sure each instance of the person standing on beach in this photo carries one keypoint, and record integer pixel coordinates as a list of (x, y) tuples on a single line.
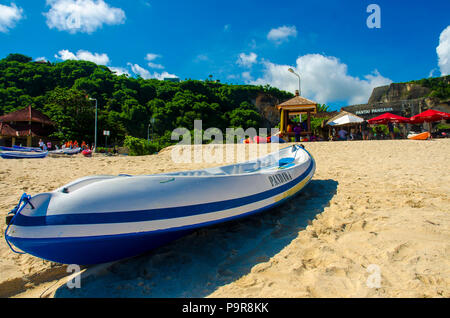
[(342, 134), (391, 130), (297, 131), (365, 130)]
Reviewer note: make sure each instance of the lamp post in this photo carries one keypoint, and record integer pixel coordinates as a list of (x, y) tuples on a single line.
[(151, 123), (299, 83), (95, 135), (299, 87)]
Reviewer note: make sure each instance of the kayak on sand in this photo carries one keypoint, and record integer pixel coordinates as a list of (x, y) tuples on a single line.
[(100, 219)]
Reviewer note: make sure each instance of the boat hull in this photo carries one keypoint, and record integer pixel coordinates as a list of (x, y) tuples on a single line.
[(422, 136), (98, 249), (92, 236), (87, 153), (24, 155)]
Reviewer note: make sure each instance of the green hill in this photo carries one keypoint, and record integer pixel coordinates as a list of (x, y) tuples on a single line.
[(125, 104)]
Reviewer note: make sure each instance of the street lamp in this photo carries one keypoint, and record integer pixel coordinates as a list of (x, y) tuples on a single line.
[(95, 138), (299, 84), (151, 123), (299, 88)]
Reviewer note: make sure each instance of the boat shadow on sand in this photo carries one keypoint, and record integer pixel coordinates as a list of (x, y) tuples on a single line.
[(197, 264)]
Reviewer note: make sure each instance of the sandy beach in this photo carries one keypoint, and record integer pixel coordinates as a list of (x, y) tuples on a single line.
[(373, 222)]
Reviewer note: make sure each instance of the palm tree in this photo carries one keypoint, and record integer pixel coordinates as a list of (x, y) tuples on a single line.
[(322, 108)]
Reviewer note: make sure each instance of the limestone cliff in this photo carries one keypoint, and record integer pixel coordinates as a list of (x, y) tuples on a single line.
[(432, 92), (265, 103), (398, 91)]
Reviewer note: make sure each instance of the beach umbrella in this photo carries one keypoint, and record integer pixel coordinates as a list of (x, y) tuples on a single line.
[(346, 120), (429, 116), (388, 118)]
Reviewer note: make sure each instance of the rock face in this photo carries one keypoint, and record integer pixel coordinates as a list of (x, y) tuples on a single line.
[(397, 92), (405, 99), (265, 103)]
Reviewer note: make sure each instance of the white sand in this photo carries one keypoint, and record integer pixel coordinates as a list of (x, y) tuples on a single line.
[(371, 205)]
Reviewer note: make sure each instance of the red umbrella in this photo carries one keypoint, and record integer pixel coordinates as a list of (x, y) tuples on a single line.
[(429, 116), (388, 117)]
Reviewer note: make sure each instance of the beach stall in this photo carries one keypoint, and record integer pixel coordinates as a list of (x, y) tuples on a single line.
[(295, 106), (343, 120), (429, 116), (388, 118), (25, 126)]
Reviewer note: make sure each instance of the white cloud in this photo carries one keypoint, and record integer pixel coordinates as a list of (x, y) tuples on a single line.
[(443, 52), (41, 59), (9, 16), (138, 70), (145, 74), (119, 70), (431, 74), (100, 59), (246, 76), (82, 15), (247, 60), (151, 57), (282, 34), (163, 75), (201, 58), (154, 65), (323, 78)]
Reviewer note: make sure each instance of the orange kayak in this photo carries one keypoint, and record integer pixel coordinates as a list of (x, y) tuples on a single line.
[(422, 136)]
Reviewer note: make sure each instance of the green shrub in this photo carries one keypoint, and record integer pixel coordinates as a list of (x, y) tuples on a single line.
[(140, 147)]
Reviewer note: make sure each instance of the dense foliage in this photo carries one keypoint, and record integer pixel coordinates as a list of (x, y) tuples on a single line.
[(64, 91), (440, 86), (139, 146)]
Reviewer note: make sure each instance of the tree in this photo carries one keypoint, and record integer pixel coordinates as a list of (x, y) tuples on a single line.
[(322, 108), (72, 113), (18, 58), (245, 118), (125, 104)]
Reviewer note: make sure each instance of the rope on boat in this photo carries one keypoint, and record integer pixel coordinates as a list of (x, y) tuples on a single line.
[(25, 199)]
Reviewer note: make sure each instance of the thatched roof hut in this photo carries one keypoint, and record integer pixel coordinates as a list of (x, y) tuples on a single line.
[(296, 106)]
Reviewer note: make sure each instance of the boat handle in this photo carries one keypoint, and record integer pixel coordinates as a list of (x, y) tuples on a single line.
[(25, 198)]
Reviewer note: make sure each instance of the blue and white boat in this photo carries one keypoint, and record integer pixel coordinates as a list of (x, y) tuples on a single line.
[(23, 155), (99, 219), (20, 148)]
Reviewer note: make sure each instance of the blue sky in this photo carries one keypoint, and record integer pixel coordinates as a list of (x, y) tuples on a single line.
[(340, 59)]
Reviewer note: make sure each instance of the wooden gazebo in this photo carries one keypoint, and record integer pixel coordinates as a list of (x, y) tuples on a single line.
[(25, 123), (295, 106)]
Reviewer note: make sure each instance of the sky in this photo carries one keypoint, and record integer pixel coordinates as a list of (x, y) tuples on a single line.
[(340, 49)]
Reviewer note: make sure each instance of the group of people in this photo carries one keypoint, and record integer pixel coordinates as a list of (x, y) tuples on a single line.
[(45, 146), (362, 132), (67, 145), (297, 128)]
